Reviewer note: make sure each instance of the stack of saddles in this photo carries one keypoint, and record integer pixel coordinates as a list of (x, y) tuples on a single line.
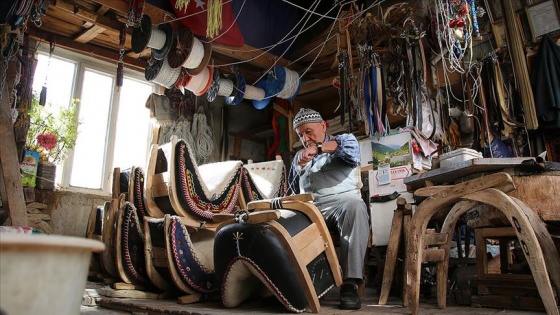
[(223, 231)]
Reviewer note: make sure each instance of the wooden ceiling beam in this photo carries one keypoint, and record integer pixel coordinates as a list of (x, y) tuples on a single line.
[(87, 16), (245, 53), (156, 14), (87, 49), (254, 56), (89, 34), (316, 86), (102, 10)]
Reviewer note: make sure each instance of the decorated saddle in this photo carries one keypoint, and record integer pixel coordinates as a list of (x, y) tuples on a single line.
[(264, 180), (136, 192), (157, 265), (291, 256), (129, 245), (190, 256), (200, 192)]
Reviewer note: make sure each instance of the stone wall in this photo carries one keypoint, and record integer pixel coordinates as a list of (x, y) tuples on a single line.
[(69, 210)]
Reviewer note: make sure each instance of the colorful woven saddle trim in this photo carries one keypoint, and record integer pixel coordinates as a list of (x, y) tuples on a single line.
[(194, 272), (132, 242), (208, 189), (264, 180), (136, 192)]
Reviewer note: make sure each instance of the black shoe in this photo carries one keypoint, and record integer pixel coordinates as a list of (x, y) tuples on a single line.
[(349, 298)]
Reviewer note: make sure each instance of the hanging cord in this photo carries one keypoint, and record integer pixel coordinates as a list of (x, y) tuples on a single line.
[(202, 134), (11, 52), (185, 133), (120, 64), (43, 95)]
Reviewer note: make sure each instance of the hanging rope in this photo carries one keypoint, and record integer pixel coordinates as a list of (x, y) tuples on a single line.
[(202, 134)]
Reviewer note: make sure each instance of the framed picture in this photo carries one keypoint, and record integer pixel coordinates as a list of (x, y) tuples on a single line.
[(543, 18), (494, 9)]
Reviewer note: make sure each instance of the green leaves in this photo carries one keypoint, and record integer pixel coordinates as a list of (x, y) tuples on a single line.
[(63, 124)]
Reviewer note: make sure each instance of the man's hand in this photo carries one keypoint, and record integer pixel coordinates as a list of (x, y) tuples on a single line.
[(307, 154)]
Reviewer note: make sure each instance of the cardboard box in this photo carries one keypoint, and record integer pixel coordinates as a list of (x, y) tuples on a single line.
[(396, 183), (381, 218)]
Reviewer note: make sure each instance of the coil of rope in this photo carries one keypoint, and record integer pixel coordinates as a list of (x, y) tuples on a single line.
[(202, 134)]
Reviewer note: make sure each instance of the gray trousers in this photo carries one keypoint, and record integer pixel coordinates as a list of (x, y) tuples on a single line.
[(347, 214)]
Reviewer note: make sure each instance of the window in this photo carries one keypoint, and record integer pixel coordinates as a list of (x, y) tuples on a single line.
[(114, 122)]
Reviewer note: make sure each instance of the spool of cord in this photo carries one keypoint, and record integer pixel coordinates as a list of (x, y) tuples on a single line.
[(253, 93)]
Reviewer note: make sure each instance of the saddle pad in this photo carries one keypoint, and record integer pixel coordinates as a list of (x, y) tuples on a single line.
[(191, 257), (130, 238), (264, 180), (208, 189), (244, 253)]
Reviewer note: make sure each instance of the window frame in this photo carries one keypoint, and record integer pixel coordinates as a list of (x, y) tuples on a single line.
[(89, 63)]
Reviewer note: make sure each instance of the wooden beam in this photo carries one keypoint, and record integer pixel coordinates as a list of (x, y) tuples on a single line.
[(156, 14), (254, 56), (11, 188), (316, 86), (89, 34), (102, 10), (87, 16), (87, 49)]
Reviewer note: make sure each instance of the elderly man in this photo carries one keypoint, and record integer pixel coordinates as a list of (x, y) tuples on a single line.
[(329, 168)]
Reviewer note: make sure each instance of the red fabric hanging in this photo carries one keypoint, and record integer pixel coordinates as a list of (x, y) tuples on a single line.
[(197, 21)]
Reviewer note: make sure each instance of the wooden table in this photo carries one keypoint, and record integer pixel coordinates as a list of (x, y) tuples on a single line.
[(467, 185)]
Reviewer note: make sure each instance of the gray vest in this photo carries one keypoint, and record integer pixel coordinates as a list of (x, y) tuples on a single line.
[(326, 176)]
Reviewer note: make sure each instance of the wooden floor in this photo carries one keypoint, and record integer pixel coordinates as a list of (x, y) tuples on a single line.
[(329, 306)]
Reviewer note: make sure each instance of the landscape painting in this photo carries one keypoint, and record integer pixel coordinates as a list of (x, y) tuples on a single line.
[(393, 150)]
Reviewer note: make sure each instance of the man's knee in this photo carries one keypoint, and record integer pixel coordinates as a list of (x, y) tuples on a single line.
[(357, 208)]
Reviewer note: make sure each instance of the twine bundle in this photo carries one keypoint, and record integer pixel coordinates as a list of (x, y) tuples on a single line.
[(199, 83), (253, 93), (225, 87), (157, 39), (167, 76), (283, 82), (196, 55)]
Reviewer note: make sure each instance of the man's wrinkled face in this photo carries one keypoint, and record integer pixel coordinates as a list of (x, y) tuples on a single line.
[(312, 132)]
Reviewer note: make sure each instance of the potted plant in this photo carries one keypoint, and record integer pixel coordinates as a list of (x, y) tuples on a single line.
[(53, 135)]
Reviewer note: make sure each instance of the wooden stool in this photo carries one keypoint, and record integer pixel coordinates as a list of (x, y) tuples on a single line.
[(399, 227)]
